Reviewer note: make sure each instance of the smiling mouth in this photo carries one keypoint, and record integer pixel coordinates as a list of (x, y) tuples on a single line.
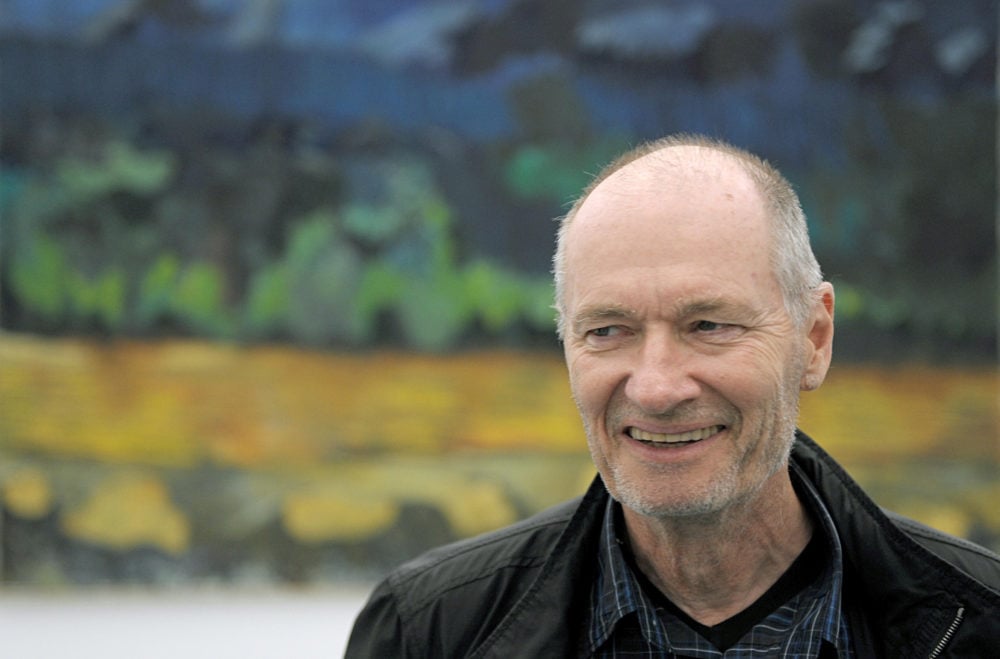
[(661, 439)]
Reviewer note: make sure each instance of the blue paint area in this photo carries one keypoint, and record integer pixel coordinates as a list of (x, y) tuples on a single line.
[(323, 61), (120, 79)]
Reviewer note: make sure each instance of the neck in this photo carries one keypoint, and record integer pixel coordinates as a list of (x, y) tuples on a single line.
[(712, 567)]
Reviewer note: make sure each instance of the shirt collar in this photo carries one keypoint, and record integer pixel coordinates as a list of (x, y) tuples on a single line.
[(617, 593)]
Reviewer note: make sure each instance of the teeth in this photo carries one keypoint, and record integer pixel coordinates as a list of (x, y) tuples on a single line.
[(679, 438)]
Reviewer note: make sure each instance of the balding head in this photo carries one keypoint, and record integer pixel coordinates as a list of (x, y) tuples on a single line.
[(693, 165)]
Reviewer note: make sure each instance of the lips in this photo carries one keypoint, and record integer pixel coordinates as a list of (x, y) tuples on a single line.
[(664, 439)]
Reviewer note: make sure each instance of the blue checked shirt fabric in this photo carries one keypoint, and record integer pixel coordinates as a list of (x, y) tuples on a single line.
[(625, 623)]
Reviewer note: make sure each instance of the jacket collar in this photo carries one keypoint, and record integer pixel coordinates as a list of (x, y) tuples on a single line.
[(903, 594), (555, 604)]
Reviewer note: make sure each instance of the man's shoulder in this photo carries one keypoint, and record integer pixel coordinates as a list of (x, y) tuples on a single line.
[(524, 545), (853, 509), (974, 560)]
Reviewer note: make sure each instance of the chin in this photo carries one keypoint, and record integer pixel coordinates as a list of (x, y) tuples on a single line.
[(651, 504), (673, 509)]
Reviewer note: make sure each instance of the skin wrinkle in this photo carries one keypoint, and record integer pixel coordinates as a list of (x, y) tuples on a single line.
[(693, 332)]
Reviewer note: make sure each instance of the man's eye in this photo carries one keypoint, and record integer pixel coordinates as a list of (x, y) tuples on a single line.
[(708, 326), (602, 331)]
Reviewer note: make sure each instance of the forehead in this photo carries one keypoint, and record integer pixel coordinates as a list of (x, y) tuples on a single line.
[(686, 195), (666, 217)]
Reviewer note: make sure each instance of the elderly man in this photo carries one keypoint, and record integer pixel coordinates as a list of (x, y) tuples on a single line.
[(692, 313)]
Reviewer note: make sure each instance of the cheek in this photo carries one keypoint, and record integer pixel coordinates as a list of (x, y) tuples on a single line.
[(591, 384), (754, 378), (775, 360)]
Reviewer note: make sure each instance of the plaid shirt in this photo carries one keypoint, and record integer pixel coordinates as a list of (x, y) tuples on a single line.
[(625, 623)]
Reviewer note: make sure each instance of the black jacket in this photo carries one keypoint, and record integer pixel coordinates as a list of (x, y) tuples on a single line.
[(910, 591)]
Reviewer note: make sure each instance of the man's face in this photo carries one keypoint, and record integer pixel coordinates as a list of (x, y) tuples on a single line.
[(683, 360)]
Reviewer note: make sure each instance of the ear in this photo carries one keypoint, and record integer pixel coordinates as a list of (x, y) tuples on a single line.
[(819, 339)]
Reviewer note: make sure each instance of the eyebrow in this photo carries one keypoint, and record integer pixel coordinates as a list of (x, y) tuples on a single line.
[(711, 305)]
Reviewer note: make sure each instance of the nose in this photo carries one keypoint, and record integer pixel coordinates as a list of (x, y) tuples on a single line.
[(661, 378)]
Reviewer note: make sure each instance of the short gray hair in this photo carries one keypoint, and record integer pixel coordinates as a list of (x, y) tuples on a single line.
[(792, 258)]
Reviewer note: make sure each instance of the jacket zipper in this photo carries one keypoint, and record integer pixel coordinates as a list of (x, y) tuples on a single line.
[(952, 628)]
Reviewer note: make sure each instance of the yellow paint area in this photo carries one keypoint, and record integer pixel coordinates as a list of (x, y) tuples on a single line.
[(129, 511), (321, 516), (177, 404), (480, 437), (352, 502), (874, 414), (27, 494)]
